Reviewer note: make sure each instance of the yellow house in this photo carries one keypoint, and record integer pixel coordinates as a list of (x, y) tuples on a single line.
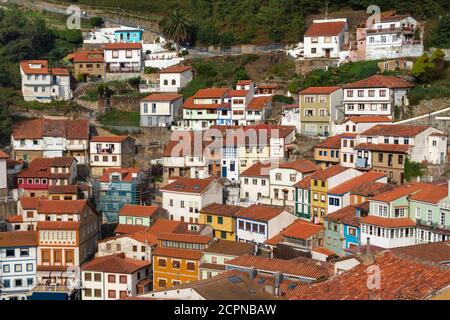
[(251, 154), (320, 184), (221, 217)]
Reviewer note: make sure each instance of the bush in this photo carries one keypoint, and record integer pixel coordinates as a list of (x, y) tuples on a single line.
[(148, 70), (283, 99), (429, 92), (426, 69), (96, 21)]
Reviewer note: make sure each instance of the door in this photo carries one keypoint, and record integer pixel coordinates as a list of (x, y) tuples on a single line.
[(327, 53), (224, 172)]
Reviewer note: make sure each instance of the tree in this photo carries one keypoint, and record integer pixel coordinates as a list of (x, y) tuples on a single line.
[(176, 28), (441, 38), (104, 91), (5, 122), (414, 169), (427, 69), (96, 21)]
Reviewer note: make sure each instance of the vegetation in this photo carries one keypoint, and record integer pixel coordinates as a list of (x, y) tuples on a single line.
[(119, 118), (414, 169), (427, 92), (148, 70), (96, 21), (176, 28), (441, 37), (91, 95), (5, 123), (427, 69)]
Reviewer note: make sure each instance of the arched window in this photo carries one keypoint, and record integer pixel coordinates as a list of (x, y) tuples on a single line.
[(174, 82), (166, 82)]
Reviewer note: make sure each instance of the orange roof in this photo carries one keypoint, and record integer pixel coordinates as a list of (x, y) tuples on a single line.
[(328, 172), (394, 130), (109, 138), (388, 222), (116, 263), (398, 148), (175, 69), (59, 72), (189, 104), (128, 228), (25, 65), (399, 192), (41, 168), (300, 229), (177, 253), (144, 237), (323, 250), (431, 194), (38, 128), (304, 184), (320, 90), (345, 215), (188, 185), (18, 218), (371, 188), (369, 119), (58, 225), (259, 212), (331, 28), (29, 202), (380, 81), (348, 185), (333, 142), (88, 56), (211, 93), (221, 209), (237, 93), (18, 239), (267, 86), (138, 211), (127, 173), (184, 237), (288, 267), (163, 226), (244, 82), (163, 97), (259, 103), (274, 240), (123, 45), (416, 281), (3, 155), (303, 166), (61, 206)]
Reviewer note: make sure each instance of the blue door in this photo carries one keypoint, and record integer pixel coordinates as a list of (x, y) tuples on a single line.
[(224, 172)]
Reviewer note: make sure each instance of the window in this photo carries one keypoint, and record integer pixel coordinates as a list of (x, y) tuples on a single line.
[(6, 268), (111, 278), (417, 212), (10, 253), (122, 279), (361, 106), (182, 204), (171, 202), (176, 264), (313, 50), (162, 262), (97, 277), (97, 293), (349, 93), (352, 231), (24, 252), (350, 107), (429, 216), (29, 267), (87, 276), (400, 159), (190, 266), (88, 292), (162, 283), (382, 93), (122, 294), (220, 220), (293, 177), (309, 98), (380, 157), (371, 93), (57, 256), (262, 229), (241, 225), (360, 93), (112, 294), (18, 283), (399, 212)]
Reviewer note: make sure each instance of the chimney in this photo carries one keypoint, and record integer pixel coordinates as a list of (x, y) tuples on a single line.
[(252, 273), (278, 279), (368, 258)]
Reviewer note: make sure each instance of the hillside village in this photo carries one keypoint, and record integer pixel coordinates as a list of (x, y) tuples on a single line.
[(251, 189)]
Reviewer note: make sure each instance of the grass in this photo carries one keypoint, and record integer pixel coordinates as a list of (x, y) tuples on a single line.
[(432, 92), (35, 105), (119, 118), (55, 19), (90, 95)]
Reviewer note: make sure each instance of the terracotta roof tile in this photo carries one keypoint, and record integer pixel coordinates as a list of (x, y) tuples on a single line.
[(438, 252), (122, 45), (25, 65), (184, 237), (346, 215), (63, 189), (371, 188), (399, 191), (388, 222), (29, 202), (369, 119), (188, 185), (319, 90), (211, 93), (38, 128), (62, 206), (189, 104), (232, 248), (257, 170), (325, 29), (328, 172), (163, 97), (110, 138), (226, 210), (323, 250), (128, 228), (303, 166), (163, 226), (431, 194), (237, 93), (357, 181), (177, 253), (88, 56), (300, 229), (138, 211), (18, 239), (380, 81), (18, 218), (116, 263), (384, 147), (3, 155), (395, 130), (244, 82), (260, 212), (304, 184), (259, 103), (58, 225), (127, 173), (274, 240), (333, 142), (175, 69)]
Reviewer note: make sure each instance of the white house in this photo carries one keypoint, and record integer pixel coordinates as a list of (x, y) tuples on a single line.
[(255, 183), (114, 277), (358, 124), (325, 38), (185, 197), (291, 116), (257, 223), (375, 95), (160, 109), (283, 178), (137, 245), (18, 264), (393, 36), (123, 58), (175, 78), (3, 170), (44, 84), (109, 152)]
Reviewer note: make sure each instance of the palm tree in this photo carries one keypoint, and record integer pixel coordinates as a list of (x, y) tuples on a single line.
[(176, 28)]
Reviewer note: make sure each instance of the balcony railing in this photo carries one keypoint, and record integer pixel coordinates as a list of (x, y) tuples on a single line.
[(130, 69)]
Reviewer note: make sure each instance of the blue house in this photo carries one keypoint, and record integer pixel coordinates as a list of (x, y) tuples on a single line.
[(17, 264), (224, 116), (128, 35)]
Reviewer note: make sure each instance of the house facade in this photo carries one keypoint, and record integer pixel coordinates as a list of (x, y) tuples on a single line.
[(325, 38), (89, 65), (160, 110), (175, 78), (255, 183), (122, 60), (221, 217)]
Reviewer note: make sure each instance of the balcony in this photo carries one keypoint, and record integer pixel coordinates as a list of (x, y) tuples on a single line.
[(105, 151), (77, 147), (362, 163), (405, 30), (438, 227), (123, 69)]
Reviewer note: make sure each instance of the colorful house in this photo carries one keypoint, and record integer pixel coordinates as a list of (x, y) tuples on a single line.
[(128, 35), (342, 230), (303, 199), (221, 217), (140, 215)]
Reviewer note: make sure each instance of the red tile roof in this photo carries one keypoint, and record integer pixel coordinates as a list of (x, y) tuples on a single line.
[(128, 228), (233, 248), (244, 82), (18, 218), (116, 263), (260, 212), (323, 250), (274, 240), (110, 138), (380, 81), (369, 119), (184, 237), (348, 185), (177, 253), (175, 69), (38, 128), (163, 226), (328, 172), (333, 142), (18, 239), (41, 168), (437, 252), (257, 170), (399, 192), (300, 229), (319, 90), (188, 185), (259, 103), (288, 267), (29, 202), (394, 130), (431, 194), (58, 225), (3, 155), (304, 184), (127, 173), (346, 215), (189, 104), (371, 188), (88, 56), (325, 29), (123, 45), (303, 166), (226, 210), (62, 206), (163, 97), (237, 93), (144, 237), (211, 93), (388, 222), (25, 65), (416, 281), (138, 211), (384, 147), (59, 72)]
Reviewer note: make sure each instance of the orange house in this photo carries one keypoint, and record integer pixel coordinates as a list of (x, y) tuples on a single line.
[(173, 266)]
